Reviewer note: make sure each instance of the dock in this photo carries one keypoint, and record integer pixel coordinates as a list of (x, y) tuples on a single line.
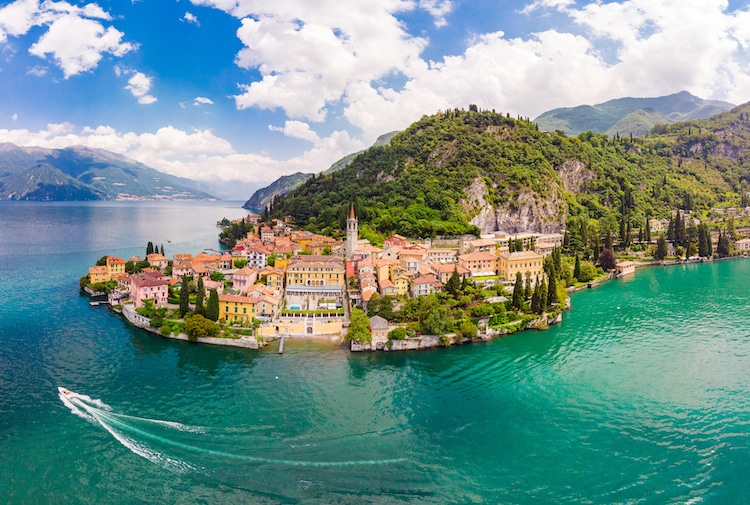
[(281, 346)]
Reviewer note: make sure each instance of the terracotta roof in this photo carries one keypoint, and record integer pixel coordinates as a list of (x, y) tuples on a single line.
[(478, 256)]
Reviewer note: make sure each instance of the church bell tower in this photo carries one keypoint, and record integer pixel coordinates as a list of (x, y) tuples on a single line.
[(352, 233)]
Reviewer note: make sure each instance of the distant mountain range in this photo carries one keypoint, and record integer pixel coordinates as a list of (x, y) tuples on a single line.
[(83, 173), (286, 183), (626, 116)]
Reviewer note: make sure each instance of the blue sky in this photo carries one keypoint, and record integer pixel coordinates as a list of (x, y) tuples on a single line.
[(249, 90)]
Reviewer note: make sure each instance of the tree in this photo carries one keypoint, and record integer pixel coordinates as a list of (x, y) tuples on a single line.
[(722, 247), (198, 326), (577, 268), (199, 297), (184, 297), (467, 329), (212, 307), (101, 261), (543, 297), (517, 302), (661, 248), (536, 298), (359, 328), (162, 250), (454, 283), (702, 240), (588, 271), (607, 260), (527, 287), (552, 291), (149, 248), (240, 263)]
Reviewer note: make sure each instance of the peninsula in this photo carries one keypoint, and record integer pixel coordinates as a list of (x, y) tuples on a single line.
[(467, 225)]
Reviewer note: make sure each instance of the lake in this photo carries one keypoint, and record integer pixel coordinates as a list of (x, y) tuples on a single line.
[(641, 395)]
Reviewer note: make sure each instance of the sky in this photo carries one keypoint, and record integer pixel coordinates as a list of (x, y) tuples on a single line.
[(249, 90)]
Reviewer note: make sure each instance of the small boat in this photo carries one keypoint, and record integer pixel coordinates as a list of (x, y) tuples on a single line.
[(68, 394)]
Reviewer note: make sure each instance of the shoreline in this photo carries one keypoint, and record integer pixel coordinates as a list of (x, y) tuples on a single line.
[(409, 344)]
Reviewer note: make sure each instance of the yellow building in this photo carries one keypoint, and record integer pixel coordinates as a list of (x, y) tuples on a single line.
[(521, 261), (402, 285), (316, 271), (115, 266), (234, 308), (99, 274), (281, 262)]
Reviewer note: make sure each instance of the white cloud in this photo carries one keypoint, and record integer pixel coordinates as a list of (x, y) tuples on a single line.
[(14, 117), (297, 129), (76, 39), (190, 18), (199, 154), (316, 58), (37, 70), (140, 85), (202, 100), (438, 9)]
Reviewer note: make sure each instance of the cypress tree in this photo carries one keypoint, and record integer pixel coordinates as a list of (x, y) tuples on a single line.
[(212, 307), (199, 297), (536, 298), (184, 297), (543, 297), (552, 291), (162, 250), (702, 246), (527, 287), (517, 301), (577, 268), (661, 248), (454, 283), (149, 248)]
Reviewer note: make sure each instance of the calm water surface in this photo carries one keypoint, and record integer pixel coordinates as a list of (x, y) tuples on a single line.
[(642, 395)]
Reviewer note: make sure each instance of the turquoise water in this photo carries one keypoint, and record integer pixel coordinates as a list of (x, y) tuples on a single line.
[(642, 395)]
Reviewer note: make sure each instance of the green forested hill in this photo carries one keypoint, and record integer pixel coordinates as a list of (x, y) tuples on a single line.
[(469, 171)]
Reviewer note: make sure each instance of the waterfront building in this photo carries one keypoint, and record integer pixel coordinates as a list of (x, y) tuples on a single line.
[(742, 245), (115, 266), (379, 330), (315, 281), (237, 309), (509, 264), (99, 274), (624, 268), (148, 286)]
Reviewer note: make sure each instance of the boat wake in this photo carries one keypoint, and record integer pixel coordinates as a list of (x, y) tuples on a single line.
[(181, 448)]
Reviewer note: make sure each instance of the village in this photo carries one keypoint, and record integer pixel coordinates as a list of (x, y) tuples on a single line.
[(278, 281)]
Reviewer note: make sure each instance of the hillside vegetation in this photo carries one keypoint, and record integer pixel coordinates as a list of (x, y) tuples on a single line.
[(459, 172), (284, 184)]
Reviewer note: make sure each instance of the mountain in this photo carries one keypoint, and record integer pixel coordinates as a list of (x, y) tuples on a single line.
[(262, 197), (83, 173), (281, 186), (624, 116), (459, 172)]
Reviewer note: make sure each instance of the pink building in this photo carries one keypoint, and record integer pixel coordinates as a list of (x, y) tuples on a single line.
[(148, 286)]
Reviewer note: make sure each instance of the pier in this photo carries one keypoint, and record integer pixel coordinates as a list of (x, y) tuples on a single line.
[(281, 346)]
